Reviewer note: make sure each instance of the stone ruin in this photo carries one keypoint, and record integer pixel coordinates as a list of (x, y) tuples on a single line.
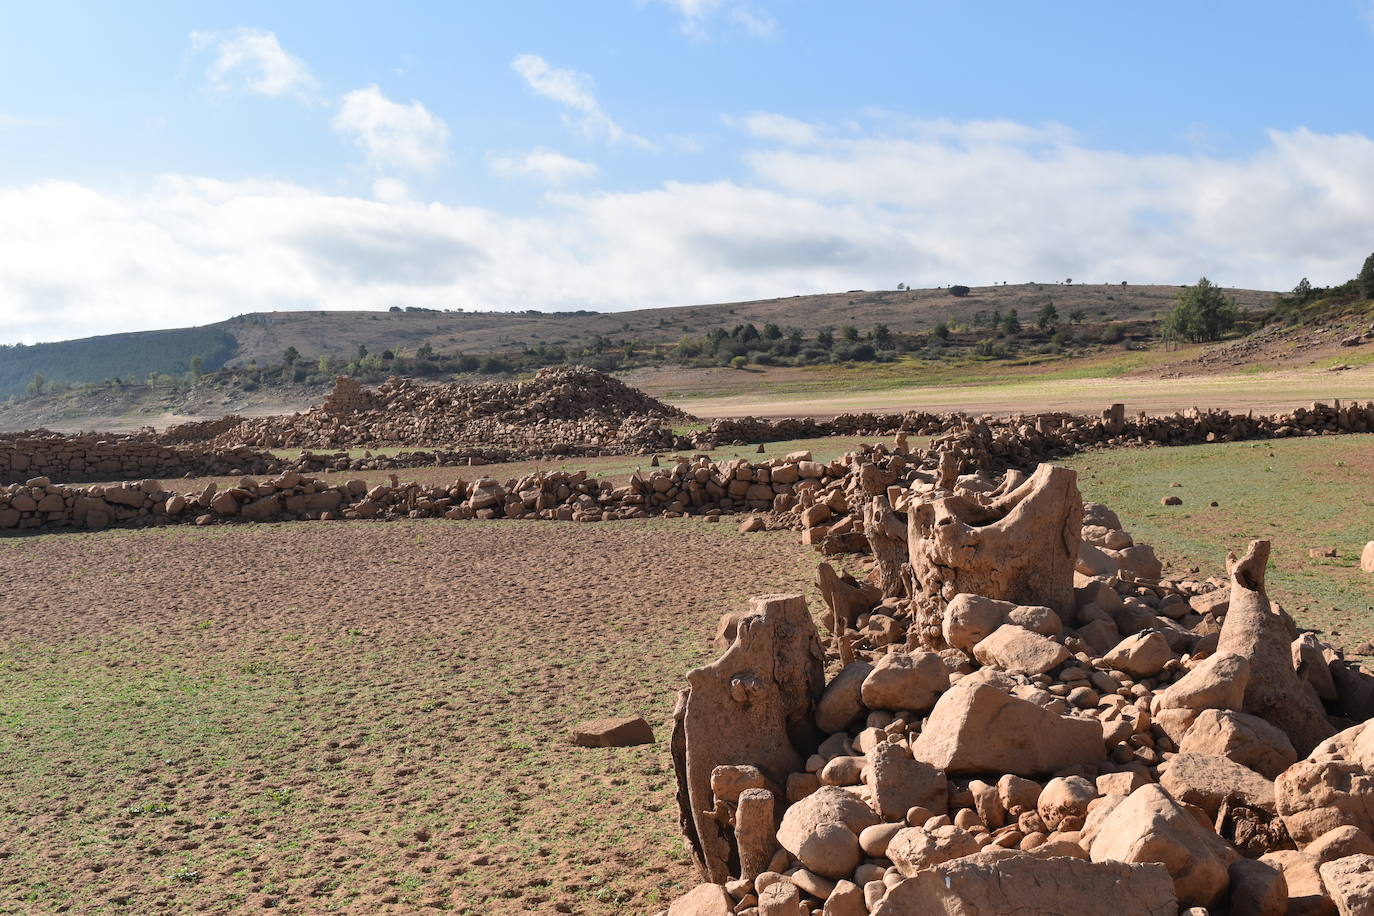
[(1023, 716)]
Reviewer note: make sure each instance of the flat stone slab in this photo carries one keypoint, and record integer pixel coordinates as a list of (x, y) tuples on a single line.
[(613, 732)]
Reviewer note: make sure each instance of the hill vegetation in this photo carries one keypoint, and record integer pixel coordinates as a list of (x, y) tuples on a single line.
[(309, 348)]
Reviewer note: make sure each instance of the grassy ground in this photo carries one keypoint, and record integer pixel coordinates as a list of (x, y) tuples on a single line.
[(1298, 493), (354, 717)]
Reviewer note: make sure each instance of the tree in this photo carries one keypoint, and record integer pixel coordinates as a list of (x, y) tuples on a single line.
[(425, 351), (882, 337), (941, 330), (849, 333), (1047, 317), (772, 332), (1069, 282), (901, 286), (323, 365), (36, 384), (825, 338), (959, 291), (197, 366), (1077, 316), (1366, 278), (1011, 324), (290, 356), (1303, 291), (362, 351), (1203, 313)]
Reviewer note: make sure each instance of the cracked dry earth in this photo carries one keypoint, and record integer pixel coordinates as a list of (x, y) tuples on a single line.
[(353, 717)]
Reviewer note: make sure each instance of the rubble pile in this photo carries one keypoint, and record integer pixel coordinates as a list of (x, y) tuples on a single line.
[(557, 411), (1023, 715)]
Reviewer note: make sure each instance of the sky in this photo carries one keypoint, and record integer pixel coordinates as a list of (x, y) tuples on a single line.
[(165, 164)]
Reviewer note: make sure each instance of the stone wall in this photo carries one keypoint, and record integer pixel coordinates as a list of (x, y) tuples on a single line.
[(85, 458)]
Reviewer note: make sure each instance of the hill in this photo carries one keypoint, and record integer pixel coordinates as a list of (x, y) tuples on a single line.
[(262, 338)]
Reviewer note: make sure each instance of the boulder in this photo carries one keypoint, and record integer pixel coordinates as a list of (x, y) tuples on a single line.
[(842, 702), (1207, 780), (1315, 796), (1257, 889), (898, 782), (822, 831), (1248, 740), (916, 848), (703, 900), (1013, 648), (978, 728), (1150, 826), (1003, 882), (1217, 682), (1350, 882), (905, 680), (1140, 655), (1065, 797), (613, 732), (969, 619)]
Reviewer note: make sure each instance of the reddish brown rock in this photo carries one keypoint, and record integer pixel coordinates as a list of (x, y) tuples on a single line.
[(613, 732)]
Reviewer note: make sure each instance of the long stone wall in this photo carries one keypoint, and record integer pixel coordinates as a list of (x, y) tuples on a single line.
[(75, 459)]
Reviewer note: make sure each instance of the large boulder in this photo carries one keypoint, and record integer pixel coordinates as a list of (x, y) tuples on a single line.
[(1217, 682), (1350, 882), (1014, 648), (1150, 826), (897, 782), (822, 831), (703, 900), (1248, 740), (905, 680), (842, 702), (1140, 655), (978, 728), (1003, 882), (1315, 796), (1207, 780), (916, 848), (969, 619)]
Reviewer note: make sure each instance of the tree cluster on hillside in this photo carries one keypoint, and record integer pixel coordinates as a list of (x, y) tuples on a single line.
[(1308, 302), (1203, 313), (124, 356)]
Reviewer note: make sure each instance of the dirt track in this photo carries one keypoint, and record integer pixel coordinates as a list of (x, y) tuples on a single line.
[(353, 717)]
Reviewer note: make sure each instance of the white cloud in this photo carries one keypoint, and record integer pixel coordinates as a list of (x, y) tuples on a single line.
[(254, 60), (390, 190), (546, 165), (695, 16), (392, 134), (779, 129), (573, 90), (969, 203)]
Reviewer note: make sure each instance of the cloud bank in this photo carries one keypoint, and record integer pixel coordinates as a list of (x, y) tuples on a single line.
[(931, 204)]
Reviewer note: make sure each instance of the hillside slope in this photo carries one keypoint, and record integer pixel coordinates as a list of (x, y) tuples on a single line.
[(263, 337)]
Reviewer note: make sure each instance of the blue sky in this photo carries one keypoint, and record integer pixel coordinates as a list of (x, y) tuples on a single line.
[(177, 163)]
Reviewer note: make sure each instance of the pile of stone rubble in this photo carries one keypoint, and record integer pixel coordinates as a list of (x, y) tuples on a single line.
[(1023, 717)]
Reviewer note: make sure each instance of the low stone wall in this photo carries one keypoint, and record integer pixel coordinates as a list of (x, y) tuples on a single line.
[(698, 487), (83, 458)]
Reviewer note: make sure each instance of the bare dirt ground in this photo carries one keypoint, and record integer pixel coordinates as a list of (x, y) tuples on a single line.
[(353, 717)]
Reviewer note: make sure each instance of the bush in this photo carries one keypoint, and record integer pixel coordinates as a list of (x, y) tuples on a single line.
[(959, 292), (739, 362)]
